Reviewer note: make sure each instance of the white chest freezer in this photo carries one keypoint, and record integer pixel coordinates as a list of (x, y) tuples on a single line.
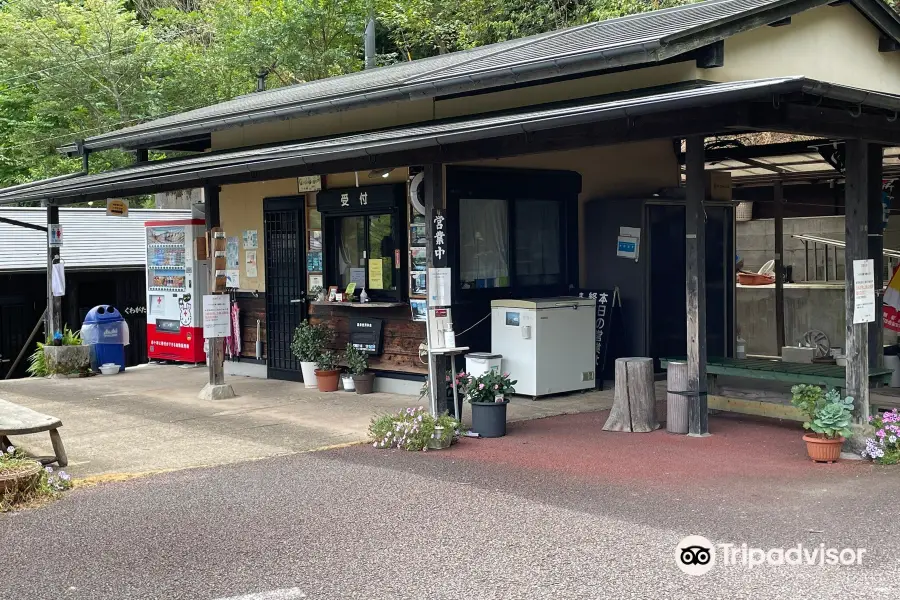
[(547, 343)]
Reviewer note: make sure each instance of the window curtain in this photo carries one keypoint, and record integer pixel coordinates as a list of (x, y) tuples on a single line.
[(537, 242), (484, 242)]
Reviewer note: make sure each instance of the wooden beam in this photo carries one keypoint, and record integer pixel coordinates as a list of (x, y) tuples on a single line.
[(781, 22), (695, 251), (18, 223), (824, 122), (876, 251), (888, 44), (742, 153), (857, 248), (711, 56), (778, 191)]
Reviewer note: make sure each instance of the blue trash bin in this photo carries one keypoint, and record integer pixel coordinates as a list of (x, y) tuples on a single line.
[(106, 332)]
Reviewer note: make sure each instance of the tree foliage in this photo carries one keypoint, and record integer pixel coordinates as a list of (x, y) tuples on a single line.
[(71, 69)]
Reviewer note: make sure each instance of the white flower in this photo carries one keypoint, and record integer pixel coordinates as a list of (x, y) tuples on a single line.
[(375, 445), (11, 450)]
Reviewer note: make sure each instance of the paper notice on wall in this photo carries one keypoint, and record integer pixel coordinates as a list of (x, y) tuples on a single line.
[(864, 291), (216, 316), (376, 274), (232, 253), (358, 276), (439, 286), (232, 278), (250, 264)]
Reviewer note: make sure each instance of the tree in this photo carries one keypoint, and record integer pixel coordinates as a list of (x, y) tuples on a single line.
[(75, 70)]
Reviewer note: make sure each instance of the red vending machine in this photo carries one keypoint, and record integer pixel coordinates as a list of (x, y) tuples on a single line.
[(176, 283)]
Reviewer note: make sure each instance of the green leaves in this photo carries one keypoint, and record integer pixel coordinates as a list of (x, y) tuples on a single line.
[(832, 416), (73, 69)]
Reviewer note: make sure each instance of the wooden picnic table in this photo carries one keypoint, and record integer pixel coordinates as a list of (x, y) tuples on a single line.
[(776, 370), (20, 420)]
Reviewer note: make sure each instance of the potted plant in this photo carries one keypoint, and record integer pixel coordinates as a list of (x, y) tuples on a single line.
[(327, 373), (829, 418), (308, 343), (487, 394), (18, 474), (414, 429), (347, 381), (358, 362)]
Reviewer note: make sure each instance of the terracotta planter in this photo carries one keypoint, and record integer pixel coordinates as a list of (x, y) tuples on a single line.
[(18, 481), (328, 380), (823, 449), (364, 383)]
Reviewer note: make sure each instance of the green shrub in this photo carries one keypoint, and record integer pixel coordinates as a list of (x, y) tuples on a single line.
[(311, 340), (357, 360)]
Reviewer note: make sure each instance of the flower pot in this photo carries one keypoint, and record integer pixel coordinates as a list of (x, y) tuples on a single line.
[(822, 449), (348, 383), (18, 481), (364, 383), (309, 373), (436, 442), (328, 380), (489, 418)]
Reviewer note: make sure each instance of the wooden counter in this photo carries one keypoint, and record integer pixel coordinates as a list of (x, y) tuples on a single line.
[(402, 335)]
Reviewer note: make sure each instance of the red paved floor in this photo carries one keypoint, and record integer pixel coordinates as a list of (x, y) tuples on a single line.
[(577, 446)]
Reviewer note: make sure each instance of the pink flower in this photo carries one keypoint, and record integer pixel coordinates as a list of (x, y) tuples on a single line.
[(496, 387), (480, 386), (880, 433), (506, 374)]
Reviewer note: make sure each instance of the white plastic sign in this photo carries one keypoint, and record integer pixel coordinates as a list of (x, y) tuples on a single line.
[(864, 291), (55, 236), (216, 316)]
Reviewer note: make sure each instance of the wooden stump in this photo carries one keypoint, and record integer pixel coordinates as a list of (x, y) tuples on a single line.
[(677, 403), (634, 407)]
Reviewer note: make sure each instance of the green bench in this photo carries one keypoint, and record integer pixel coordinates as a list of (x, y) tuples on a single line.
[(775, 370)]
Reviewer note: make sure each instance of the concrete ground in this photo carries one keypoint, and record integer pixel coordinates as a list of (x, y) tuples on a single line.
[(149, 418), (557, 509)]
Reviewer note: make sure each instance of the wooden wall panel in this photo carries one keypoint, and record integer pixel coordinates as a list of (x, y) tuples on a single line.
[(402, 335)]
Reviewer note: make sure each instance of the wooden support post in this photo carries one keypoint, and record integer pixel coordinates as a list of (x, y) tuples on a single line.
[(857, 248), (216, 388), (54, 303), (437, 364), (695, 251), (779, 265), (876, 252)]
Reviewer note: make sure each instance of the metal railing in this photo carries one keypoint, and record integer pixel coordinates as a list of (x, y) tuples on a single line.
[(828, 246)]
